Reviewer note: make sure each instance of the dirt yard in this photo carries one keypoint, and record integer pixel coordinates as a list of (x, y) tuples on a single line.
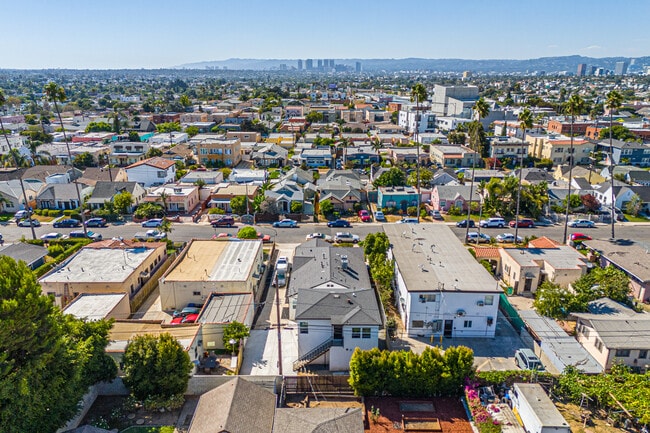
[(571, 413)]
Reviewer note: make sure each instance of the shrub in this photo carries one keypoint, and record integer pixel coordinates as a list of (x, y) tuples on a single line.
[(55, 250), (411, 210), (216, 211), (455, 210)]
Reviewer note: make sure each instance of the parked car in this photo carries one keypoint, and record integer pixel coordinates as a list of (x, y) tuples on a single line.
[(154, 222), (581, 223), (96, 222), (379, 216), (463, 223), (408, 221), (364, 215), (67, 222), (52, 236), (21, 214), (493, 222), (286, 223), (527, 360), (544, 222), (28, 223), (185, 311), (508, 238), (96, 237), (222, 236), (346, 237), (150, 235), (338, 223), (435, 214), (481, 238), (190, 318), (266, 239), (323, 236), (579, 237), (523, 222), (226, 221)]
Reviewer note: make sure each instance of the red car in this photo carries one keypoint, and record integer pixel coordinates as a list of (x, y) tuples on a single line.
[(524, 222), (579, 237), (364, 215), (190, 318)]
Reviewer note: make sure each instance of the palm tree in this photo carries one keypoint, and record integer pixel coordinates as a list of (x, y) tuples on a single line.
[(481, 110), (525, 122), (15, 154), (613, 103), (574, 107), (55, 94), (418, 94), (163, 198)]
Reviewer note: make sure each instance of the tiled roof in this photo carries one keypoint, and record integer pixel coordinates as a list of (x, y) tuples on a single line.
[(487, 252), (543, 242), (156, 162)]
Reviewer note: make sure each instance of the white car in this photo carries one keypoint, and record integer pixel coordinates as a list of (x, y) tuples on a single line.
[(508, 238), (53, 236), (323, 236), (346, 237), (581, 223), (493, 222)]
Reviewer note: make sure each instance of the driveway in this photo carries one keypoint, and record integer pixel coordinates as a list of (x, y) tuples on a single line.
[(261, 352)]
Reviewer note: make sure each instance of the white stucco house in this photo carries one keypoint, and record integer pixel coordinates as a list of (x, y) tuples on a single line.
[(152, 171), (441, 290), (333, 304)]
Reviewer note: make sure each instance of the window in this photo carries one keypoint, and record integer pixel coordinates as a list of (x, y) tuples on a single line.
[(365, 332), (443, 203), (161, 174), (436, 325), (489, 300), (356, 332), (417, 324), (428, 298), (304, 328), (467, 324), (559, 150), (196, 293), (599, 345), (622, 353), (228, 151), (643, 354)]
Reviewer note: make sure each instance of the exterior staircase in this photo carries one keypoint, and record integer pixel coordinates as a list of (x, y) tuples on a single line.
[(312, 354)]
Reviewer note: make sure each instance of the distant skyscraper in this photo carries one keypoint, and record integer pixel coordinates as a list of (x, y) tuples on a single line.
[(582, 70), (621, 68), (357, 67), (300, 64), (309, 64), (592, 70), (320, 64), (331, 62)]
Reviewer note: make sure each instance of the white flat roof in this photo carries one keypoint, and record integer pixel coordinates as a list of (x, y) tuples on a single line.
[(96, 265), (94, 306)]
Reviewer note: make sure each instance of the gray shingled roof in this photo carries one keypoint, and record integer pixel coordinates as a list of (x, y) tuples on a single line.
[(318, 420), (28, 253), (358, 307)]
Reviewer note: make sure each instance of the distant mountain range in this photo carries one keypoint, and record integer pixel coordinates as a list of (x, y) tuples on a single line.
[(546, 64)]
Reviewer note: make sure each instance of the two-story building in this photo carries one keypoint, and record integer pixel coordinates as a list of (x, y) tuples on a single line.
[(152, 171), (315, 158), (440, 289), (400, 197), (176, 198), (218, 152), (124, 153), (453, 156), (626, 152)]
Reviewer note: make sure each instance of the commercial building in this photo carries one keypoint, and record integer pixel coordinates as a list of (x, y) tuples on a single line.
[(98, 306)]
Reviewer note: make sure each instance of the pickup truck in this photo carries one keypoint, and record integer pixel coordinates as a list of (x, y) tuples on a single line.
[(153, 235)]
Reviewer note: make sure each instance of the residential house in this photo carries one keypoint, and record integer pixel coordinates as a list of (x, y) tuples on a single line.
[(32, 255), (331, 299), (443, 197), (219, 152), (315, 158), (627, 193), (614, 334), (286, 192), (524, 269), (152, 171), (222, 194), (631, 258), (534, 176), (486, 175), (284, 140), (445, 176), (124, 153), (399, 197), (106, 192), (92, 175), (62, 196), (206, 266), (99, 306), (181, 152), (208, 177), (168, 139), (248, 176), (343, 188), (453, 156), (561, 172), (270, 155), (178, 198), (440, 289), (625, 152), (14, 200), (361, 156), (298, 175), (41, 173), (407, 155), (638, 177), (109, 266)]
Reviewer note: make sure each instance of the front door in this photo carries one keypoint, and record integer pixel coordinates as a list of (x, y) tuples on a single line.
[(527, 285), (449, 326), (338, 335)]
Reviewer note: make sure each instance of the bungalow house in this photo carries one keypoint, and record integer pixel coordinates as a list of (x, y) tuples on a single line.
[(627, 193), (176, 198), (534, 176), (286, 192), (12, 194), (106, 192), (315, 158), (181, 152), (331, 299), (615, 334), (152, 171), (408, 155), (224, 192), (630, 258), (62, 196), (343, 188), (440, 289), (248, 176), (453, 156), (443, 197), (270, 155), (92, 175), (445, 176), (638, 177), (400, 197), (298, 175), (32, 255)]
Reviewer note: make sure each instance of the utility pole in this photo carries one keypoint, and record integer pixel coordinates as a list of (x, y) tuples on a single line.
[(277, 315)]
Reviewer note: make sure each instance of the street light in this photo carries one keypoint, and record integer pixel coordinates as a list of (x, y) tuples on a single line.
[(232, 342)]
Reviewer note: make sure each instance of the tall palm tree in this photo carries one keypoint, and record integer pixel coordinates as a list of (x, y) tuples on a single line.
[(55, 94), (15, 155), (574, 107), (525, 122), (613, 103), (418, 94), (481, 110)]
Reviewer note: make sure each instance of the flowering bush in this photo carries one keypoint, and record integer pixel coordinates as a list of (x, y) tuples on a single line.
[(481, 416)]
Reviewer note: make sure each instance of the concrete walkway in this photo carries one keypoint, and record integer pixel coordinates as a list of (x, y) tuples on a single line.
[(261, 352)]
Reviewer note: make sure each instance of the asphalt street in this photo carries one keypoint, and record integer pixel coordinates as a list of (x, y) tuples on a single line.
[(185, 231)]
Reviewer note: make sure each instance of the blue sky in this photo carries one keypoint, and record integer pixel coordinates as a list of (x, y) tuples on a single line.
[(154, 34)]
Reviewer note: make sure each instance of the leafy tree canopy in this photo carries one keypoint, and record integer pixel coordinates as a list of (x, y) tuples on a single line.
[(168, 127), (99, 127), (235, 331), (247, 233), (392, 177), (619, 132)]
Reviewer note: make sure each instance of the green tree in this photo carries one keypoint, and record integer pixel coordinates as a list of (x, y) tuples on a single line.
[(314, 117), (633, 207), (392, 177), (602, 282), (525, 123), (134, 136), (184, 100), (238, 204), (84, 160), (455, 137), (168, 127), (156, 367), (247, 232), (234, 331), (426, 176), (47, 360), (153, 151), (326, 207), (149, 210), (618, 132), (99, 127), (192, 130), (296, 207), (123, 202), (574, 202), (551, 300), (574, 107)]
